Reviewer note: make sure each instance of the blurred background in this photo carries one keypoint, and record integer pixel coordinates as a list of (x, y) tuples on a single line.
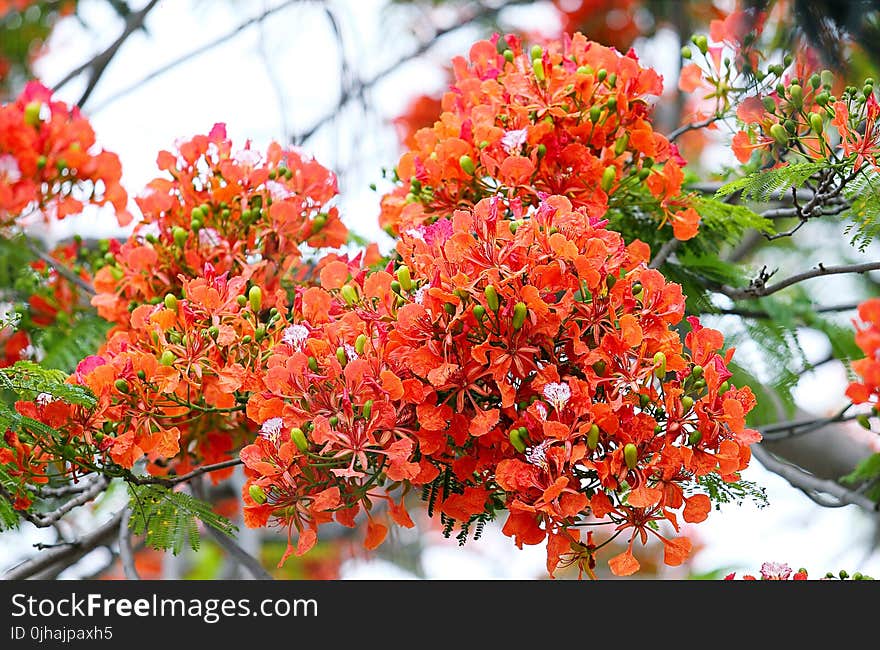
[(350, 81)]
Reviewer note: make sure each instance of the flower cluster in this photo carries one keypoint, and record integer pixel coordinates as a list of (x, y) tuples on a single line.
[(868, 369), (515, 359), (197, 295), (569, 119), (49, 162), (773, 571)]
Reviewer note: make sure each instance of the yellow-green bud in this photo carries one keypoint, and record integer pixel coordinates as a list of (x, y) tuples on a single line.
[(32, 113), (313, 364), (686, 52), (171, 302), (491, 297), (519, 315), (695, 437), (660, 365), (620, 144), (796, 95), (816, 123), (180, 236), (349, 294), (341, 356), (687, 403), (167, 358), (299, 439), (404, 278), (864, 421), (536, 52), (538, 69), (608, 177), (516, 440), (593, 437), (479, 312), (630, 455), (368, 409), (255, 298), (257, 494), (360, 343), (467, 165), (778, 132), (121, 385)]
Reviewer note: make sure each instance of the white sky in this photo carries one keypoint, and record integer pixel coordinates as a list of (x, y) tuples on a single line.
[(231, 84)]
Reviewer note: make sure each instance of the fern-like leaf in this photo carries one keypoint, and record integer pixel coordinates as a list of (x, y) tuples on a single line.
[(764, 184), (168, 519), (28, 379)]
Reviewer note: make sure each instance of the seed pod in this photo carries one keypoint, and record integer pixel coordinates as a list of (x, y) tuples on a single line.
[(519, 315), (630, 455), (467, 165), (257, 494), (313, 364), (171, 302), (816, 123), (608, 177), (167, 358), (360, 343), (491, 297), (180, 236), (687, 403), (404, 278), (349, 294), (121, 385), (516, 440), (695, 437), (593, 437), (368, 409), (341, 357), (778, 132), (299, 439)]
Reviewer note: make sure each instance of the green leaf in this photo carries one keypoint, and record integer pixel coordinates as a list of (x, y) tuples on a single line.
[(721, 492), (867, 469), (27, 379), (168, 519), (762, 185)]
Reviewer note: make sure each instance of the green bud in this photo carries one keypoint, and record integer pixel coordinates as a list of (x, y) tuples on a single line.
[(701, 42), (796, 94), (180, 236), (687, 403), (319, 221), (32, 113), (536, 52), (247, 338), (620, 144), (341, 356), (121, 385), (257, 494), (695, 437), (514, 226), (313, 364), (723, 388), (255, 298), (449, 308), (167, 358), (843, 574), (491, 297), (542, 151), (816, 123), (778, 132), (404, 278), (171, 302), (519, 315), (608, 177), (697, 372), (600, 76), (686, 53), (213, 331), (630, 455), (769, 104), (659, 365), (516, 440), (299, 439), (593, 437), (599, 367), (815, 81), (41, 162), (790, 126), (585, 69), (479, 312), (864, 421), (612, 79), (360, 343), (197, 214), (368, 409), (467, 165), (595, 114), (538, 69), (241, 300), (827, 78), (395, 286), (141, 375), (508, 56), (334, 420), (612, 104), (196, 225), (349, 294), (644, 172)]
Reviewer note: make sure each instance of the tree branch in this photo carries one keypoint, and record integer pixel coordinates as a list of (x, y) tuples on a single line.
[(126, 555), (60, 268), (171, 482), (812, 485), (693, 126), (44, 520), (191, 55), (98, 64), (667, 249), (759, 313), (759, 287), (68, 554), (794, 428)]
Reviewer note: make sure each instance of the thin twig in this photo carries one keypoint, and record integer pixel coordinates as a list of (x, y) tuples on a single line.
[(171, 482), (207, 47), (783, 430), (760, 313), (693, 126), (667, 249), (61, 269), (126, 555), (98, 64), (810, 484), (44, 520)]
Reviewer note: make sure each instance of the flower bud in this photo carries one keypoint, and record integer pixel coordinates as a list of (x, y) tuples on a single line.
[(541, 151), (491, 297), (595, 114), (695, 437), (778, 132), (687, 403), (600, 76), (796, 95), (32, 113), (299, 439), (467, 165), (686, 52), (121, 385), (816, 123), (516, 440), (180, 236), (608, 177), (769, 104), (167, 358), (395, 287), (255, 298), (360, 343), (630, 455), (257, 494), (171, 302), (333, 420), (538, 69), (368, 409), (701, 42), (341, 357), (620, 144), (508, 56), (660, 365), (404, 278), (864, 421), (349, 294), (536, 52), (479, 312), (519, 315), (593, 437), (313, 364)]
